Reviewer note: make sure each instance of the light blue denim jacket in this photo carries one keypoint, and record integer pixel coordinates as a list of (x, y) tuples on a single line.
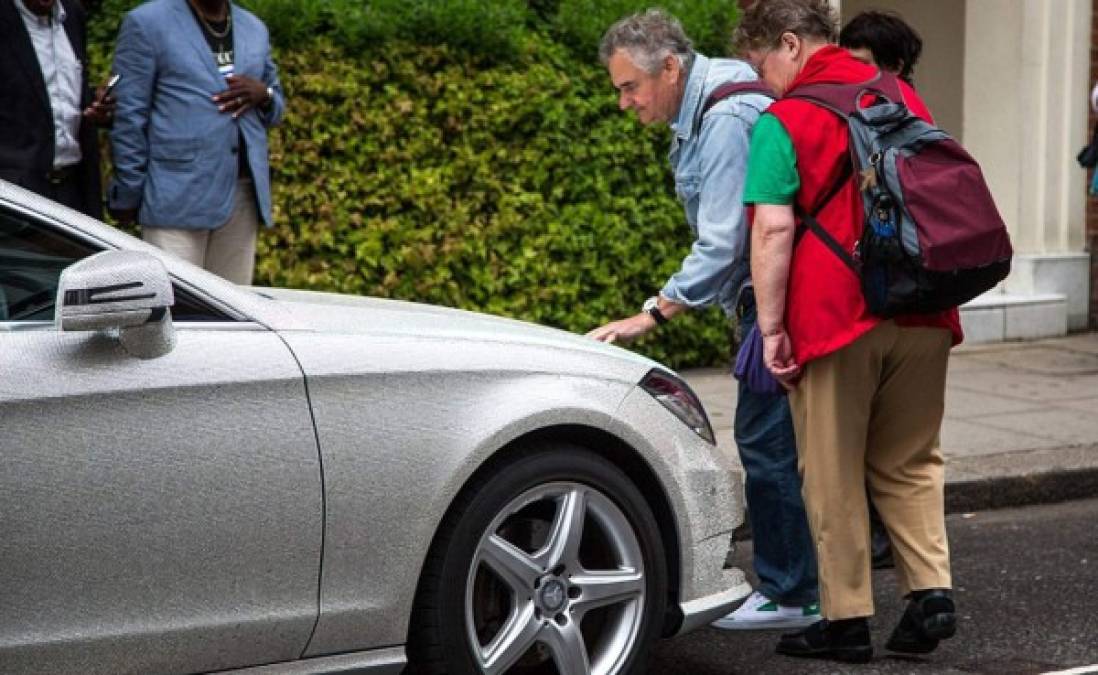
[(709, 159)]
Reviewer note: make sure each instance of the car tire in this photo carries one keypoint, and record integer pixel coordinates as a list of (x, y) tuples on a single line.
[(549, 562)]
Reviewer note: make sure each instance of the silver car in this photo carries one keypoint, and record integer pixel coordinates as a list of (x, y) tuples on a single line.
[(198, 476)]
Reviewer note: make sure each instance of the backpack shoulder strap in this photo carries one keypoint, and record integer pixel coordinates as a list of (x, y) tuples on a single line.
[(811, 224), (845, 99), (732, 89)]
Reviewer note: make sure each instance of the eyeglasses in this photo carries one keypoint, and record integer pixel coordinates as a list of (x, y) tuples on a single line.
[(758, 63)]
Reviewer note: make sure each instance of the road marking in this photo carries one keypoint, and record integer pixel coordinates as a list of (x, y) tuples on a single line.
[(1081, 670)]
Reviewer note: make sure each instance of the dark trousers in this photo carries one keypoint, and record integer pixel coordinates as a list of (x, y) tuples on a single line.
[(784, 555), (66, 189)]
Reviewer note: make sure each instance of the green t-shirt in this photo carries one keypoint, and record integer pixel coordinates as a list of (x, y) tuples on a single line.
[(771, 165)]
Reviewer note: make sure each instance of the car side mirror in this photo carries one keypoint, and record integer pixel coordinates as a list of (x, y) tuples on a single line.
[(127, 291)]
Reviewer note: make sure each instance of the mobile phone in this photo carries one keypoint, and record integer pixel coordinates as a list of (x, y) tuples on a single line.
[(111, 83)]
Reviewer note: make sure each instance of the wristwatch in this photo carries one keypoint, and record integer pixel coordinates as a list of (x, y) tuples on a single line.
[(651, 307)]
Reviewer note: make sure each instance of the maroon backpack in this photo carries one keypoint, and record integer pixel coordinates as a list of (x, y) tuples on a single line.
[(932, 237)]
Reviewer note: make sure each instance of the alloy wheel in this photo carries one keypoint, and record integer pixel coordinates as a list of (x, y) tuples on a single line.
[(557, 579)]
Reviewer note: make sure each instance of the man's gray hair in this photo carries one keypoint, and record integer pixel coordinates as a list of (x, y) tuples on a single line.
[(648, 37)]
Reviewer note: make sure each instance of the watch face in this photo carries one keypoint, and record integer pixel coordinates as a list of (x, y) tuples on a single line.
[(651, 307)]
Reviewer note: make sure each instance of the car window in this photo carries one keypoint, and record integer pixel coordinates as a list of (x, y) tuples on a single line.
[(31, 260), (189, 308), (32, 256)]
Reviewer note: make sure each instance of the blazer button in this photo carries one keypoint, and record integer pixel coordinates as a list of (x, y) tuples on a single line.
[(234, 150)]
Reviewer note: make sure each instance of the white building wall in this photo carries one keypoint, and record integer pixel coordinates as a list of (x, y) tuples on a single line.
[(1025, 117), (1023, 71)]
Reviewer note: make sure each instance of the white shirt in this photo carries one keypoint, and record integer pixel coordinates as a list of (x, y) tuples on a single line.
[(62, 74)]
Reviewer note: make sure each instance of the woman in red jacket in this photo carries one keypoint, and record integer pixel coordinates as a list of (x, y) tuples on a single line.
[(867, 394)]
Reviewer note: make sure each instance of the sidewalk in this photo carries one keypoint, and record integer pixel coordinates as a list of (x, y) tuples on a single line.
[(1021, 421)]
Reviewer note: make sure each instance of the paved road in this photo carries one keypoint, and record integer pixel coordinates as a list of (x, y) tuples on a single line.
[(1027, 591)]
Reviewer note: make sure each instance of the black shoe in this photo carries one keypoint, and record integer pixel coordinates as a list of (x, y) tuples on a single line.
[(846, 640), (930, 616)]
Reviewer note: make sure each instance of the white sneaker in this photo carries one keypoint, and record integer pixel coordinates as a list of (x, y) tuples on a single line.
[(759, 612)]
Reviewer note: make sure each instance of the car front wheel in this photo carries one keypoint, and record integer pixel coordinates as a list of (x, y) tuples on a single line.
[(550, 563)]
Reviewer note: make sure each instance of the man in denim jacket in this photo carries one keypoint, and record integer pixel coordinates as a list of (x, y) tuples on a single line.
[(652, 64)]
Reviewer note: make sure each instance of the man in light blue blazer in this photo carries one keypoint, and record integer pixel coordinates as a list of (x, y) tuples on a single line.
[(197, 93)]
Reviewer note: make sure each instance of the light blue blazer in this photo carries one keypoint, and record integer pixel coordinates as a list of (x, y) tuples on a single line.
[(175, 154)]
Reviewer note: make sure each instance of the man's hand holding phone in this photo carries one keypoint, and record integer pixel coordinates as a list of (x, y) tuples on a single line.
[(101, 111)]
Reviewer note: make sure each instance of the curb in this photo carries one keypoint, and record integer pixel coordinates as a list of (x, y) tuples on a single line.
[(1048, 487)]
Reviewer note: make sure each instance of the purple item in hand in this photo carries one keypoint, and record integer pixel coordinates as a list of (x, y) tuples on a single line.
[(750, 367)]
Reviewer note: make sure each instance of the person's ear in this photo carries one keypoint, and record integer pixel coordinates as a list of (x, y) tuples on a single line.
[(792, 44), (671, 66)]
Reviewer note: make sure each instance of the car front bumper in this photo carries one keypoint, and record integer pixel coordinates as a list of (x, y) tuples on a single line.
[(705, 488), (706, 609)]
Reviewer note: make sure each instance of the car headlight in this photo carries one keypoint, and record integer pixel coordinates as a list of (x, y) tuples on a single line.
[(676, 396)]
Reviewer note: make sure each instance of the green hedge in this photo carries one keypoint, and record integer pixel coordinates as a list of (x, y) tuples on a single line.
[(441, 173), (581, 23), (492, 31)]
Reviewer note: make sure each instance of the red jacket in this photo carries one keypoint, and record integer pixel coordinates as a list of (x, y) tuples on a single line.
[(825, 310)]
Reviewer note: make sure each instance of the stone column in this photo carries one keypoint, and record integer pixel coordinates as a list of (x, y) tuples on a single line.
[(1092, 202), (1026, 75)]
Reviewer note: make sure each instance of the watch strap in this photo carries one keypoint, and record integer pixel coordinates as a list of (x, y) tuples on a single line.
[(652, 307)]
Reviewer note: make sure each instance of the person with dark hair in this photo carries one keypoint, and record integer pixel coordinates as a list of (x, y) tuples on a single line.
[(885, 40), (867, 394)]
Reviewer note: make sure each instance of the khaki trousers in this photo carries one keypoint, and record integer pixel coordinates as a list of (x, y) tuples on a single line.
[(229, 250), (871, 412)]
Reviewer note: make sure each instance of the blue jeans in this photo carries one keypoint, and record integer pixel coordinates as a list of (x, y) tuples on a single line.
[(785, 557)]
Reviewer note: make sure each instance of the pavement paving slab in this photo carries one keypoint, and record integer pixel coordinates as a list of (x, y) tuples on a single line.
[(964, 438), (962, 404), (1020, 384), (1039, 359)]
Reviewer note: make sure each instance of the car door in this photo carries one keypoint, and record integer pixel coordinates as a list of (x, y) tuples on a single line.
[(156, 515)]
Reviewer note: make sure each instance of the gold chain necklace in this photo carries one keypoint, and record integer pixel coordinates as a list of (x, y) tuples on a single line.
[(228, 22)]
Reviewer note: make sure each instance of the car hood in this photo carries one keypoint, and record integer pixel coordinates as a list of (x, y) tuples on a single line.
[(379, 318)]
